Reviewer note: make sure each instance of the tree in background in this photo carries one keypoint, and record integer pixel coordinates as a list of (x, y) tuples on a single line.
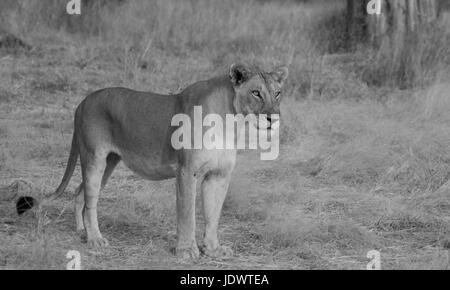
[(396, 20), (404, 34)]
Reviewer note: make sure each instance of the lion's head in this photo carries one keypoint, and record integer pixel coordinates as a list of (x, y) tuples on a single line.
[(258, 92)]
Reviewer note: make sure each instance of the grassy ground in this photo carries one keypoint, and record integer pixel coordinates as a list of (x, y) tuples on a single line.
[(363, 165)]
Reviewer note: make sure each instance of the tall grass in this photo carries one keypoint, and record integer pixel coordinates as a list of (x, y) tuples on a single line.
[(213, 32), (294, 32)]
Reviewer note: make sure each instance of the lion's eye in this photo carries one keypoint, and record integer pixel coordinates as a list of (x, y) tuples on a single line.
[(277, 95), (256, 94)]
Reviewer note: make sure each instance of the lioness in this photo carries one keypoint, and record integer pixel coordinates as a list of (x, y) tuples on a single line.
[(117, 124)]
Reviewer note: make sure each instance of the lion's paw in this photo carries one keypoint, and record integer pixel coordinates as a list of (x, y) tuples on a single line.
[(97, 243), (221, 252), (190, 253)]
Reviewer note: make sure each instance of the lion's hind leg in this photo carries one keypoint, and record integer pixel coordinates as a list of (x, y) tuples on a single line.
[(79, 206), (92, 168), (111, 162)]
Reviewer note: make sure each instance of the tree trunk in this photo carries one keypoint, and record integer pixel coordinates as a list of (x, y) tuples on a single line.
[(397, 18), (356, 22)]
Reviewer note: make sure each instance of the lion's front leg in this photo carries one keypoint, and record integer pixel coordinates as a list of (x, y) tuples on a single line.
[(186, 192), (214, 190)]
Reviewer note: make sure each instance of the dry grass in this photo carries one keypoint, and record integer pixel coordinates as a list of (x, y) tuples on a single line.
[(363, 165)]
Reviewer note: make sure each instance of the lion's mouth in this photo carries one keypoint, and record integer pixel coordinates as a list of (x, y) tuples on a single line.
[(268, 124)]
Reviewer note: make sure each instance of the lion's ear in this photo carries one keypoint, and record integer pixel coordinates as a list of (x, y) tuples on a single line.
[(280, 74), (239, 74)]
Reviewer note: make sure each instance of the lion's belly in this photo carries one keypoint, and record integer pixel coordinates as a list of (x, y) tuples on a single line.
[(149, 167)]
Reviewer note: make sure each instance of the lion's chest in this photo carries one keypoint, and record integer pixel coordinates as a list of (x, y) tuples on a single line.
[(207, 161)]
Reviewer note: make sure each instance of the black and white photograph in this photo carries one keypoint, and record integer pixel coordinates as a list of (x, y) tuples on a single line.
[(239, 135)]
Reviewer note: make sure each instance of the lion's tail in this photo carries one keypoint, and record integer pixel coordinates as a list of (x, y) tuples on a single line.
[(70, 168)]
